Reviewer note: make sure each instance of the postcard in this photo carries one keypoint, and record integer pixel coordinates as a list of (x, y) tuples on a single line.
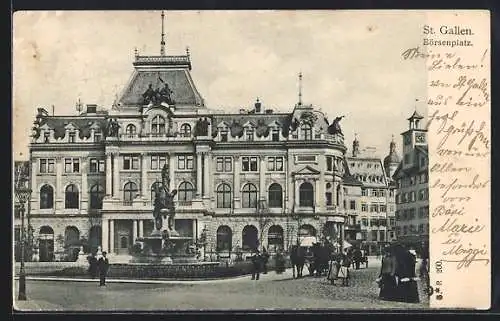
[(251, 160)]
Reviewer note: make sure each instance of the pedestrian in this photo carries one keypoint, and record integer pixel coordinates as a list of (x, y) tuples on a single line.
[(256, 264), (344, 273), (407, 289), (357, 255), (333, 269), (387, 276), (92, 265), (265, 260), (103, 264), (424, 271), (280, 262)]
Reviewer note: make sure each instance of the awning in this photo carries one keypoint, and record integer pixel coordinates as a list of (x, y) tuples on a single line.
[(308, 241)]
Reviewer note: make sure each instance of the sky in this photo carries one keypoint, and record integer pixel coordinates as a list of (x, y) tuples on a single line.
[(350, 60)]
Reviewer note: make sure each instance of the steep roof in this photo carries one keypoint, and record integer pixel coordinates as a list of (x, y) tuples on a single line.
[(157, 71), (367, 170), (263, 121), (84, 125)]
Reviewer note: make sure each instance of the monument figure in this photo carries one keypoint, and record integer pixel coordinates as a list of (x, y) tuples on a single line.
[(149, 95), (201, 127), (164, 204), (165, 95), (112, 128), (334, 128)]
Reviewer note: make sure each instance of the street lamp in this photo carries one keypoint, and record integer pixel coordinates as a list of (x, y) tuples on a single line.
[(23, 195)]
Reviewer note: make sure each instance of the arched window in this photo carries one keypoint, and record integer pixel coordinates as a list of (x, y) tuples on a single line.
[(96, 196), (223, 196), (71, 196), (224, 238), (306, 131), (306, 195), (153, 189), (46, 197), (71, 236), (158, 125), (249, 196), (275, 238), (307, 230), (250, 238), (130, 130), (275, 195), (186, 191), (129, 193), (185, 130)]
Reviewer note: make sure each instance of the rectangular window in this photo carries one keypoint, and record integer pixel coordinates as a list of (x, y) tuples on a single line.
[(97, 137), (306, 158), (47, 165), (72, 137), (383, 208), (275, 164), (364, 207), (382, 236), (130, 162), (329, 199), (364, 222), (71, 165), (392, 221), (374, 192), (97, 165), (158, 161), (249, 164), (373, 208), (374, 235), (352, 205), (224, 164), (381, 193), (329, 163), (364, 192), (185, 162)]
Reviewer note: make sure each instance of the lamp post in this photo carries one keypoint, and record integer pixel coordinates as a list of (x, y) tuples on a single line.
[(23, 195)]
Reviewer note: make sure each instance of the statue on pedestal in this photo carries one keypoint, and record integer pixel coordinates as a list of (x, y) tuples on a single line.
[(164, 202), (334, 128)]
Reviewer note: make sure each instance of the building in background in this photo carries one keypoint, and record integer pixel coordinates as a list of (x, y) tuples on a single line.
[(249, 178), (370, 199), (411, 176)]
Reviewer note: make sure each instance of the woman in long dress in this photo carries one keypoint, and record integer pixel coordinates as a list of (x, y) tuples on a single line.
[(333, 270), (387, 276), (407, 289)]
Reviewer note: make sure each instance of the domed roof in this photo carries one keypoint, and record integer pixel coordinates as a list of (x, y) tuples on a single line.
[(391, 158)]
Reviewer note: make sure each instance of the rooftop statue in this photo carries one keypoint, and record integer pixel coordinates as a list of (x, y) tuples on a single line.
[(158, 96), (201, 127), (149, 95), (334, 128), (112, 128)]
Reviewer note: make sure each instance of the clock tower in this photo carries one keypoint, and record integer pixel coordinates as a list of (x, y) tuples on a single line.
[(414, 136)]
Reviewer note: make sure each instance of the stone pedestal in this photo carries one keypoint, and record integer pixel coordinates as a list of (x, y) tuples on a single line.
[(82, 257)]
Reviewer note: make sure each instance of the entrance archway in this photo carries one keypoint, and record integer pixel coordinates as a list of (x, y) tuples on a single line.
[(250, 238), (46, 244)]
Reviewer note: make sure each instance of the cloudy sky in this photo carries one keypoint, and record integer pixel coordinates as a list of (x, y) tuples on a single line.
[(351, 63)]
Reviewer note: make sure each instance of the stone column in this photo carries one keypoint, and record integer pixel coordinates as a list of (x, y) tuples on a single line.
[(236, 187), (59, 188), (105, 235), (318, 201), (321, 198), (199, 174), (141, 228), (134, 230), (109, 176), (296, 196), (144, 180), (171, 170), (111, 236), (262, 178), (207, 179), (84, 190), (116, 175)]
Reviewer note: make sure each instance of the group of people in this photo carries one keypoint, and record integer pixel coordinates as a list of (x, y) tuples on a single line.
[(397, 279), (339, 268), (261, 259), (99, 267)]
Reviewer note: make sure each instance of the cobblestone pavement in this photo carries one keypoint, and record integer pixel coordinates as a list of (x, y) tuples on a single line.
[(270, 292)]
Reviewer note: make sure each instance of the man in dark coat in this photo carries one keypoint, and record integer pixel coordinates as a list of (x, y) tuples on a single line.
[(265, 260), (387, 276), (92, 265), (357, 256), (103, 264), (256, 264)]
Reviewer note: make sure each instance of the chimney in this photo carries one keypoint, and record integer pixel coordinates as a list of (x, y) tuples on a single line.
[(258, 106), (91, 109)]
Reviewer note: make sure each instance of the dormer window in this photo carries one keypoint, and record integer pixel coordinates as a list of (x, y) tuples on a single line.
[(223, 135), (72, 137), (306, 131), (130, 131), (185, 130), (97, 137), (249, 134), (275, 134), (46, 137)]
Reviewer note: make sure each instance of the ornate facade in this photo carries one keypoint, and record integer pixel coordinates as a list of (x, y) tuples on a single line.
[(248, 178)]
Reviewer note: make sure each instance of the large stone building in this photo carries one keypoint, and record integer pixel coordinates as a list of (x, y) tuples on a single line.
[(370, 199), (247, 178), (412, 208)]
